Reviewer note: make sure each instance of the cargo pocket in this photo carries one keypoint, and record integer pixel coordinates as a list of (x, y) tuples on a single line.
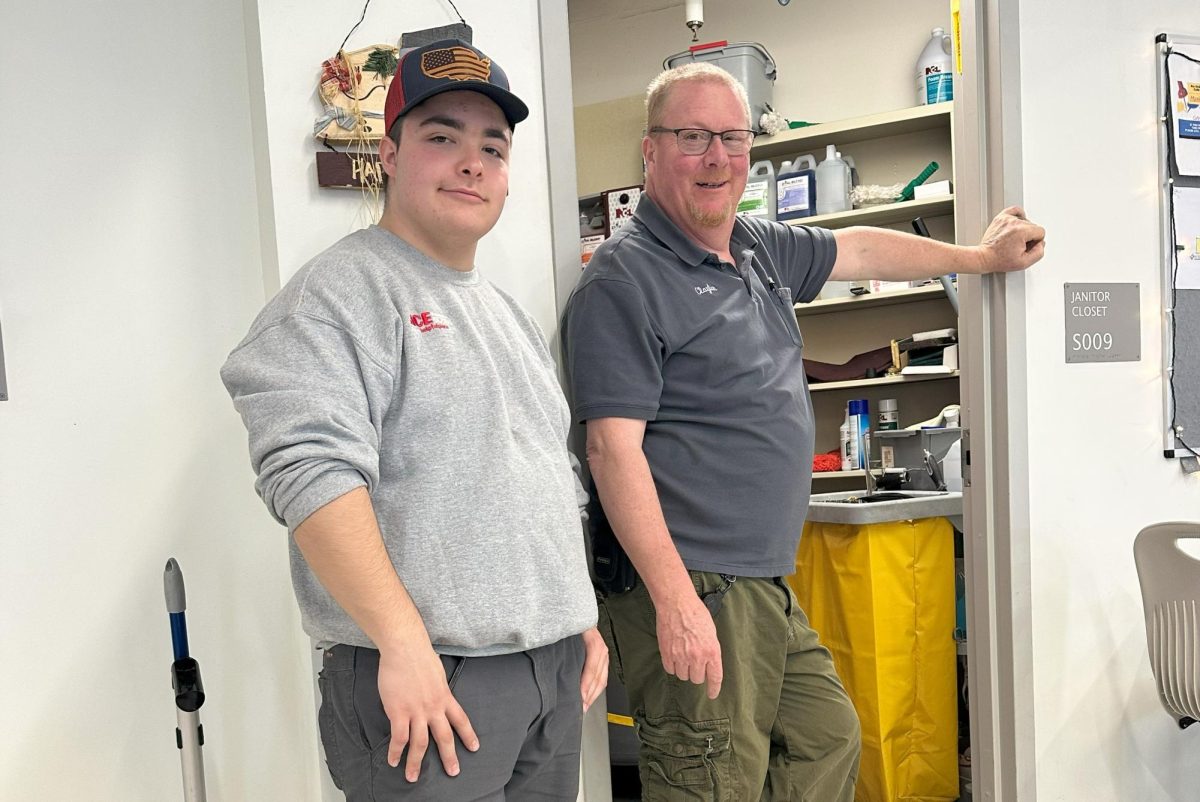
[(684, 760)]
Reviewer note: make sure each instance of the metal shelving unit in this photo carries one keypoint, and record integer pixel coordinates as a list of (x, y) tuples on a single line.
[(881, 381), (883, 215), (855, 129), (870, 300), (880, 141)]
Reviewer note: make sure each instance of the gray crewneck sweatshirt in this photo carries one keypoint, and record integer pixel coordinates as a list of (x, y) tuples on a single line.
[(376, 366)]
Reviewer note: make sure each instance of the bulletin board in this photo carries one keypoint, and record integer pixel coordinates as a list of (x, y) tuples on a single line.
[(1178, 102)]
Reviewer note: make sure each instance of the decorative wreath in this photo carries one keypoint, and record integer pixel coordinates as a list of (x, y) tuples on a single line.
[(353, 88)]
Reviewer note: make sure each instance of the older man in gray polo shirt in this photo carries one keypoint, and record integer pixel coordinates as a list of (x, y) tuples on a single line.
[(684, 361)]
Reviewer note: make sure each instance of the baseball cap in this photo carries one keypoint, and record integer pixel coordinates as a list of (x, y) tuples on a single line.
[(448, 65)]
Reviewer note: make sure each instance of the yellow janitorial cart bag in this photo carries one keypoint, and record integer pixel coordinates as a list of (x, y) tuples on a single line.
[(881, 596)]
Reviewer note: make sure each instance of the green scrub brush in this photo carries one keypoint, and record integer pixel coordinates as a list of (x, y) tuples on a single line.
[(907, 194)]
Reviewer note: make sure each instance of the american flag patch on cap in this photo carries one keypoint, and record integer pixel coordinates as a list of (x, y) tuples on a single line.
[(457, 64)]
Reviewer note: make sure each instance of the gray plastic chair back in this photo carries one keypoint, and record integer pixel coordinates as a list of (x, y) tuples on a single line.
[(1170, 580)]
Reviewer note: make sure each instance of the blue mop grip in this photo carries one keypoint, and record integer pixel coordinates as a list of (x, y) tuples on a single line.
[(179, 635), (176, 604), (185, 672)]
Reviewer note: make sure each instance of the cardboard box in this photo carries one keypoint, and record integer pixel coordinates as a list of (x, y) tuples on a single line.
[(619, 206), (588, 246), (877, 285), (934, 189)]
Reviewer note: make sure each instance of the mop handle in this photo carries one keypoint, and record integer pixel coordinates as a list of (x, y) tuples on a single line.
[(189, 690), (948, 287), (176, 604)]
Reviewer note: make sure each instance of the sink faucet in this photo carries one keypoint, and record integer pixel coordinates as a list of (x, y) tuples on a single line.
[(935, 473)]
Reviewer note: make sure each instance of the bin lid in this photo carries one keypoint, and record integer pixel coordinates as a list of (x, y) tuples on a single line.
[(705, 52)]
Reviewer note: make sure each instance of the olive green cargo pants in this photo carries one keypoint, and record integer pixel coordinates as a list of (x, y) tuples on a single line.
[(782, 727)]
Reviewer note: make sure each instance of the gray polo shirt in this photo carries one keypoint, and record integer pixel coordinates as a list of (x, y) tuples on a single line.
[(709, 355)]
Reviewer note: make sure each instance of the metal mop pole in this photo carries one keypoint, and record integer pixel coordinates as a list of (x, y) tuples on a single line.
[(189, 690), (919, 226)]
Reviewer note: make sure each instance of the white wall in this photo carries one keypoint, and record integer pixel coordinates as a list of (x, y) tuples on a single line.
[(128, 269), (130, 263), (1096, 473), (296, 37), (834, 59), (287, 43)]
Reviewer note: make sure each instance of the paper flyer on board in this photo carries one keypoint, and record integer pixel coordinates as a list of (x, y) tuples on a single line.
[(1187, 237), (1184, 93)]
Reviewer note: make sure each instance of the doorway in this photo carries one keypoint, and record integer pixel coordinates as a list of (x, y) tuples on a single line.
[(615, 48)]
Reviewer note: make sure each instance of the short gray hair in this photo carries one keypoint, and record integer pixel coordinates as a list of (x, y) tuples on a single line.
[(660, 88)]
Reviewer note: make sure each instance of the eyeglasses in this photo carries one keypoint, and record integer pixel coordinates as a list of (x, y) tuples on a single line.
[(695, 141)]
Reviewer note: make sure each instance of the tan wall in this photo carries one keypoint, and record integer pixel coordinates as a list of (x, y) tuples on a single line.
[(834, 59), (608, 142)]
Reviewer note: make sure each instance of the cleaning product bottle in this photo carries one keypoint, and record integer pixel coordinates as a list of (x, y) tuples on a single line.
[(833, 183), (844, 441), (889, 415), (796, 188), (852, 439), (935, 73), (758, 198), (864, 426), (860, 424), (849, 160)]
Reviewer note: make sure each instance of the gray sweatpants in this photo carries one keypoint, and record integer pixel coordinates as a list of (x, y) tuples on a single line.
[(525, 708)]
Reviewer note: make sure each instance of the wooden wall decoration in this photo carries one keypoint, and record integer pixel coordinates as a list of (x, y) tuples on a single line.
[(353, 87), (349, 170)]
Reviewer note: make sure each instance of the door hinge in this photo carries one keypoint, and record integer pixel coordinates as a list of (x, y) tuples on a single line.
[(966, 457)]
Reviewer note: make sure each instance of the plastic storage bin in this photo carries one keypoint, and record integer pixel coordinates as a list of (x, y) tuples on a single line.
[(749, 62)]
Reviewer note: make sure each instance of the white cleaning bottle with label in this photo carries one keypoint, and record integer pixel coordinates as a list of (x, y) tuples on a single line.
[(935, 70), (853, 442), (758, 198), (844, 442), (833, 183)]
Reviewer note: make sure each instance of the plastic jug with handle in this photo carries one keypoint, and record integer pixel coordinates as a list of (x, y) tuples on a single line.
[(796, 188), (758, 198)]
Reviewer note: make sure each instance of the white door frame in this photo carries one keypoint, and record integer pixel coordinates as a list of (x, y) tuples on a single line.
[(595, 782), (988, 169)]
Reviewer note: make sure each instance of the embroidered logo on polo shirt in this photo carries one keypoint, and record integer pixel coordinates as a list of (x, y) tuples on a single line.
[(707, 288), (426, 322)]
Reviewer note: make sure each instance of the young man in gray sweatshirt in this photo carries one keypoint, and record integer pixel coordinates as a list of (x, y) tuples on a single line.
[(406, 425)]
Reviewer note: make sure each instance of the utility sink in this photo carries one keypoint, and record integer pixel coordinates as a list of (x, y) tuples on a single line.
[(883, 495), (859, 507)]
